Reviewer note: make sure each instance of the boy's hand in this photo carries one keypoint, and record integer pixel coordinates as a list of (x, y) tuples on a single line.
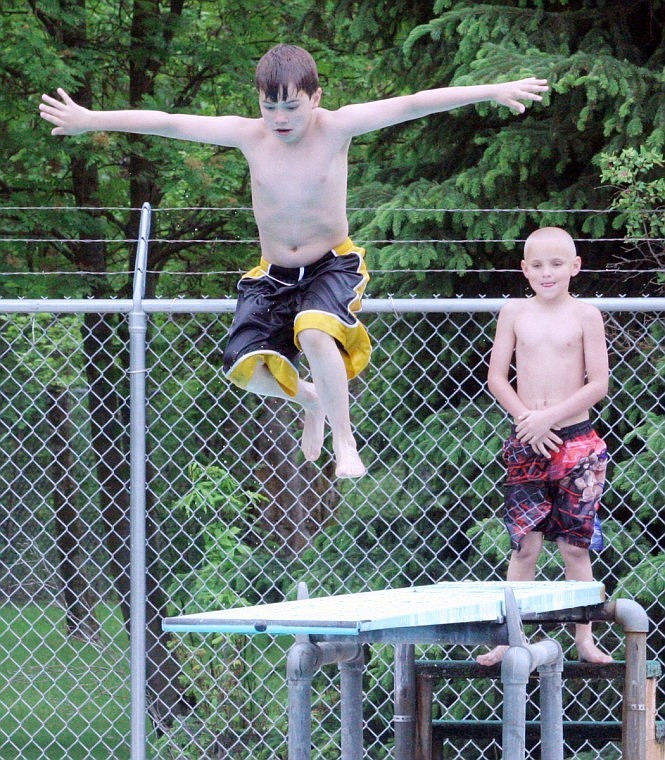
[(511, 93), (547, 444), (68, 117), (538, 430)]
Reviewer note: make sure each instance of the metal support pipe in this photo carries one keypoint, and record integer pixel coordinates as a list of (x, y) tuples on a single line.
[(303, 660), (517, 664), (351, 687), (405, 702), (632, 617), (515, 669), (551, 702)]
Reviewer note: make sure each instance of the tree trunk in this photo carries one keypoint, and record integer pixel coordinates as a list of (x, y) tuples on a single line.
[(302, 498), (69, 529), (111, 445)]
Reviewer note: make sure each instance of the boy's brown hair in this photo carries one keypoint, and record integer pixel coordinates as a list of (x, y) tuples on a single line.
[(285, 65)]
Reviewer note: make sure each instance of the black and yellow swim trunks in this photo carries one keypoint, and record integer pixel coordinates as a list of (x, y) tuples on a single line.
[(276, 303)]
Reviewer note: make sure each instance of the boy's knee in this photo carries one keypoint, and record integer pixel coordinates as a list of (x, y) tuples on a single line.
[(312, 340), (572, 551), (529, 548)]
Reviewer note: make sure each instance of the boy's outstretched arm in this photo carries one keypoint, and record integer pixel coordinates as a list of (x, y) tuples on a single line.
[(365, 117), (69, 118)]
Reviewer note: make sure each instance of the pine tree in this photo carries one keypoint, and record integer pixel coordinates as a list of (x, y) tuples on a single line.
[(604, 62)]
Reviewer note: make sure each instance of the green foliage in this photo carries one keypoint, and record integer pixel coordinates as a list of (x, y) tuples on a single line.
[(638, 453), (640, 187), (610, 752), (222, 674), (460, 448), (371, 542), (214, 582), (625, 545), (636, 175), (606, 79), (490, 540), (645, 583), (641, 476), (46, 350)]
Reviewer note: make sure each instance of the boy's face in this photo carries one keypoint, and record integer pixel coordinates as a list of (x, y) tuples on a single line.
[(289, 119), (549, 264)]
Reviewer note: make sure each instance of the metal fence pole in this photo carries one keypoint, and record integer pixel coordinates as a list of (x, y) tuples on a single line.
[(137, 349)]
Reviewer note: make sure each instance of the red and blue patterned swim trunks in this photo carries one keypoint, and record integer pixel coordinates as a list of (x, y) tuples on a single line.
[(558, 497)]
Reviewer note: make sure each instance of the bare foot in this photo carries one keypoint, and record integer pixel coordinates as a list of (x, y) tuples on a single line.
[(349, 464), (312, 433), (587, 651), (493, 657)]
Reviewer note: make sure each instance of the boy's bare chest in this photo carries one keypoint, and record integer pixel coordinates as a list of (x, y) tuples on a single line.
[(298, 173), (555, 337)]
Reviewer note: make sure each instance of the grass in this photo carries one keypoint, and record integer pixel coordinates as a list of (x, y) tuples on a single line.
[(61, 697)]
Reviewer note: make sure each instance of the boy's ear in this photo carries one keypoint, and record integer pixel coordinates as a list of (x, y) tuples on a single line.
[(316, 97), (577, 265), (523, 265)]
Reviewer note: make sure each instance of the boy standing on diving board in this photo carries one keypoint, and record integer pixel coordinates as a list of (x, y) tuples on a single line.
[(555, 461), (304, 294)]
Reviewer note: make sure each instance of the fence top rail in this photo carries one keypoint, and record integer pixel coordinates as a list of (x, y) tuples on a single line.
[(228, 305)]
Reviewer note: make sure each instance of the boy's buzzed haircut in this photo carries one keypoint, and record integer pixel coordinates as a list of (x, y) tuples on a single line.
[(285, 65), (544, 232)]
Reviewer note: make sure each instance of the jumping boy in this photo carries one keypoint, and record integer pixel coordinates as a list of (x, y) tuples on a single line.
[(555, 461), (304, 294)]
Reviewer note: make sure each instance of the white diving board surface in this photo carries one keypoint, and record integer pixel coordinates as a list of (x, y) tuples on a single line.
[(446, 603)]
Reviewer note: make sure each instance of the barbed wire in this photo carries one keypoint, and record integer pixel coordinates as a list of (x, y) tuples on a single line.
[(359, 241), (610, 270), (249, 209)]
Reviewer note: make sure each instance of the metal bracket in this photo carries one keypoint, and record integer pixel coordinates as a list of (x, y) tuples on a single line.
[(516, 636)]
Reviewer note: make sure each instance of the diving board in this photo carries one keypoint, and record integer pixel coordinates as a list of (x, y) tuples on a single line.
[(447, 603), (334, 629)]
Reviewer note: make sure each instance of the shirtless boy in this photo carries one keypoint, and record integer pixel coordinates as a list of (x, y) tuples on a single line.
[(555, 461), (304, 295)]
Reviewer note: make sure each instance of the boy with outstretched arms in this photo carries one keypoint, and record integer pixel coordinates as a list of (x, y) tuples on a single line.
[(307, 289), (555, 461)]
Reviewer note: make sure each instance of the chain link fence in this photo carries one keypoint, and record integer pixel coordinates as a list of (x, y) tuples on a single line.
[(235, 516)]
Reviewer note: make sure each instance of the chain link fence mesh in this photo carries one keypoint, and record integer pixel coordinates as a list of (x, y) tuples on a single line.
[(235, 516)]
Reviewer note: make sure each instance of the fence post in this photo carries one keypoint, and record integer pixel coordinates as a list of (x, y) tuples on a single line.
[(137, 395)]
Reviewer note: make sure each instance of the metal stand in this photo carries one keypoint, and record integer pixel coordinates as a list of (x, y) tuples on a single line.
[(331, 631), (304, 659), (518, 663)]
